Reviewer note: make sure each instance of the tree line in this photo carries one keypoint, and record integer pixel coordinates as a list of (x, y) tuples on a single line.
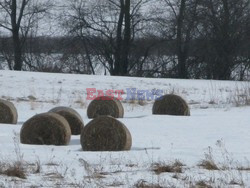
[(202, 39)]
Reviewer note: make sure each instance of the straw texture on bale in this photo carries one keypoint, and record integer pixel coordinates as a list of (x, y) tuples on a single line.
[(73, 117), (105, 133), (46, 129), (105, 106), (8, 112), (171, 105)]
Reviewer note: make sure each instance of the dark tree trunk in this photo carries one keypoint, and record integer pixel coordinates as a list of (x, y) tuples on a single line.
[(123, 39), (127, 38), (15, 34), (181, 52), (17, 51), (117, 65), (226, 55)]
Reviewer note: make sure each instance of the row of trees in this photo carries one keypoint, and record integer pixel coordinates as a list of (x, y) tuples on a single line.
[(19, 17), (156, 38)]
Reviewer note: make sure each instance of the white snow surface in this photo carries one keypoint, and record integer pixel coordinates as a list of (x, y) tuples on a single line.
[(219, 123)]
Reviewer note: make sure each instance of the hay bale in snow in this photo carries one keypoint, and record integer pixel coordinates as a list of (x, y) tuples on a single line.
[(105, 133), (46, 129), (105, 106), (8, 112), (171, 105), (73, 117)]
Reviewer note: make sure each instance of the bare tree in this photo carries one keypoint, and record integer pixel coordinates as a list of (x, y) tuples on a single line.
[(18, 17), (210, 37), (109, 30), (183, 20), (223, 29)]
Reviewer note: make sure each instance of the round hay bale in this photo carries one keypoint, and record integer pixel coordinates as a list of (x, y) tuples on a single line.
[(105, 133), (8, 112), (171, 105), (73, 117), (105, 106), (46, 129)]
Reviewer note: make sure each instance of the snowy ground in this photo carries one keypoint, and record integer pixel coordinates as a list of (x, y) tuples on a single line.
[(217, 132)]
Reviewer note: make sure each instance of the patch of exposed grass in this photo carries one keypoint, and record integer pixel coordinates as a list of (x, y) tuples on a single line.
[(243, 168), (208, 165), (145, 184), (202, 184), (13, 170), (116, 184), (51, 163), (37, 169), (241, 95), (236, 183), (175, 167), (54, 175)]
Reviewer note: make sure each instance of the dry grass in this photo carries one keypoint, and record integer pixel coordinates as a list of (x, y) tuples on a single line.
[(145, 184), (115, 184), (19, 168), (31, 97), (243, 168), (208, 165), (202, 184), (56, 95), (137, 102), (51, 163), (236, 183), (38, 167), (55, 174), (80, 101), (175, 176), (175, 167), (237, 96), (15, 169), (241, 95)]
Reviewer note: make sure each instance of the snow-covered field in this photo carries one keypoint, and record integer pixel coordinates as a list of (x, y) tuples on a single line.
[(216, 134)]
